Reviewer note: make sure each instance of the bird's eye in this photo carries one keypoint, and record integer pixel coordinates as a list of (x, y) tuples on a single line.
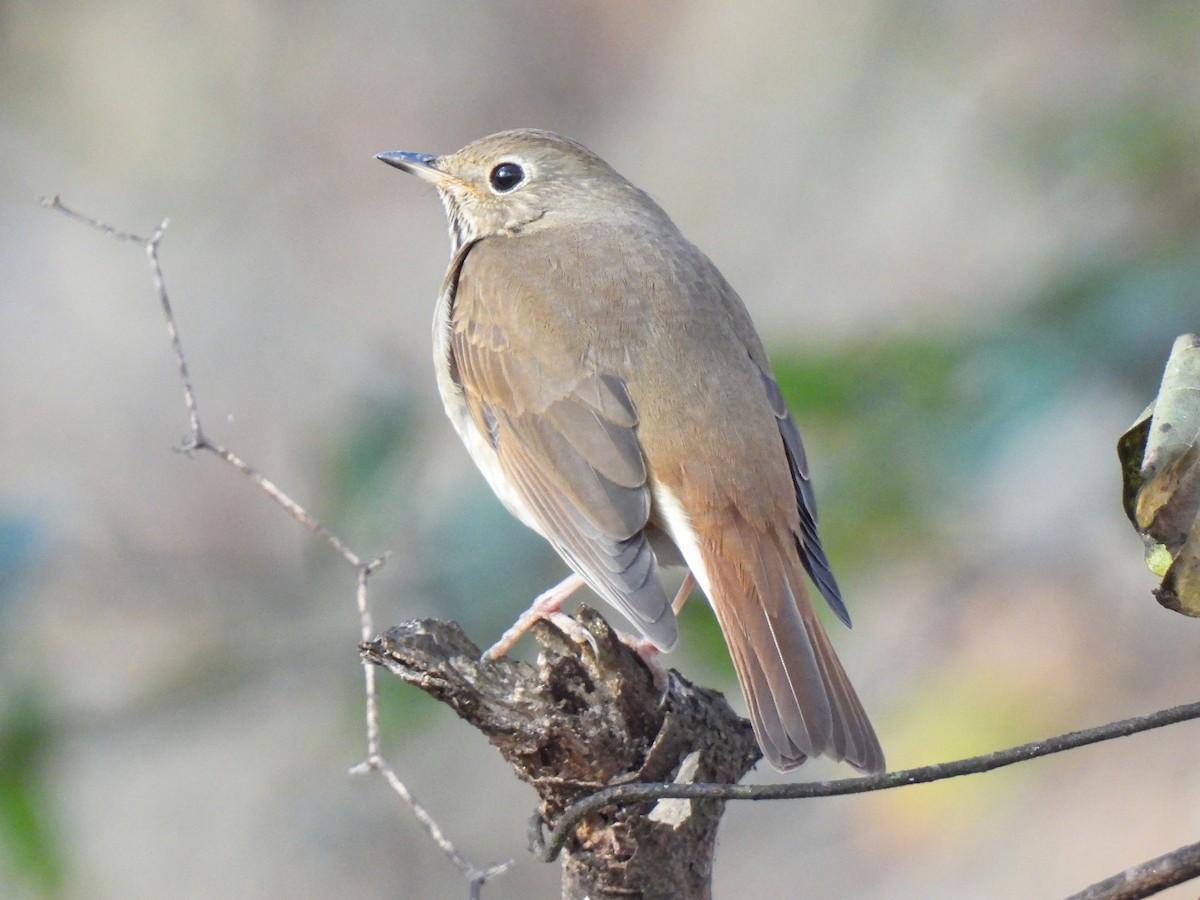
[(505, 177)]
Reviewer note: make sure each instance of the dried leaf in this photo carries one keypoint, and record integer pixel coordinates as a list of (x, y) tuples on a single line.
[(1131, 448), (1160, 461)]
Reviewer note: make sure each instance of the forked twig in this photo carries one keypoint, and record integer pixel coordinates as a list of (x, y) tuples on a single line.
[(364, 569)]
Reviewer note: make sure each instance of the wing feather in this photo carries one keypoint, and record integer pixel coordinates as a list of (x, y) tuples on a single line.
[(812, 553), (565, 436)]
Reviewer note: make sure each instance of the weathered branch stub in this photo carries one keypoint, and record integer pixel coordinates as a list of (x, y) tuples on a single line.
[(584, 718)]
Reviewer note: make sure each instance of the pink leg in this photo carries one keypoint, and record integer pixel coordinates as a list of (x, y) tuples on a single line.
[(685, 591), (547, 605)]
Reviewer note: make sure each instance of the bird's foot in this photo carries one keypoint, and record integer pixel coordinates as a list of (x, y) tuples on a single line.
[(548, 606)]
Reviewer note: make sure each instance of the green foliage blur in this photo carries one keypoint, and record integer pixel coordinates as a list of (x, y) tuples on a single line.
[(899, 427), (28, 843)]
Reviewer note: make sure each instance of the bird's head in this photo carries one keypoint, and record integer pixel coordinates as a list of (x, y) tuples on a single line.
[(519, 180)]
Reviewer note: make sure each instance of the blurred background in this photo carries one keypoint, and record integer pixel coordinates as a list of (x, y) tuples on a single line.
[(967, 231)]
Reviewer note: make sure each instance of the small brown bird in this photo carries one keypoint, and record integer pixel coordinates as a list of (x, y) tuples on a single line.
[(610, 385)]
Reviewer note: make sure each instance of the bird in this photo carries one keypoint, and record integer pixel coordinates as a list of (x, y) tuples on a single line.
[(610, 386)]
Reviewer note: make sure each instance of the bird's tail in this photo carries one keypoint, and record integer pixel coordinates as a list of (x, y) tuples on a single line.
[(801, 701)]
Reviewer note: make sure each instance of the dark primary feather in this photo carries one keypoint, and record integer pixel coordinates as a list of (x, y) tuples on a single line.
[(812, 553)]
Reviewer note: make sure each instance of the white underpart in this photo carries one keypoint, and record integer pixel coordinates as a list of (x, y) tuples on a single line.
[(679, 527)]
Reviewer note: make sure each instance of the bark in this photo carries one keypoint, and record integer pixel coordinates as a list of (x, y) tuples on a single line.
[(584, 718)]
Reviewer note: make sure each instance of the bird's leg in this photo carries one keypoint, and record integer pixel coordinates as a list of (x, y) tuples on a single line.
[(647, 651), (547, 605), (685, 591)]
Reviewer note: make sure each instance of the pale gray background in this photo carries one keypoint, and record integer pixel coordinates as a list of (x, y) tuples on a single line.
[(854, 168)]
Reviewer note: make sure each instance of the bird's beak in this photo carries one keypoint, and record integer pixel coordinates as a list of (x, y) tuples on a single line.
[(419, 164)]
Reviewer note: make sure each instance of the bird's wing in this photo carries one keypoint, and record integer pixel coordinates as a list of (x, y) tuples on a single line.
[(564, 434), (812, 554)]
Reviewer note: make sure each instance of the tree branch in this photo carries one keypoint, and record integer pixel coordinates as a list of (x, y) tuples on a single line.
[(587, 715), (635, 793), (513, 707), (1147, 878)]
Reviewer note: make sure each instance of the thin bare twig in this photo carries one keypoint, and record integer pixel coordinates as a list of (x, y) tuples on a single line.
[(1147, 878), (632, 793), (198, 440)]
